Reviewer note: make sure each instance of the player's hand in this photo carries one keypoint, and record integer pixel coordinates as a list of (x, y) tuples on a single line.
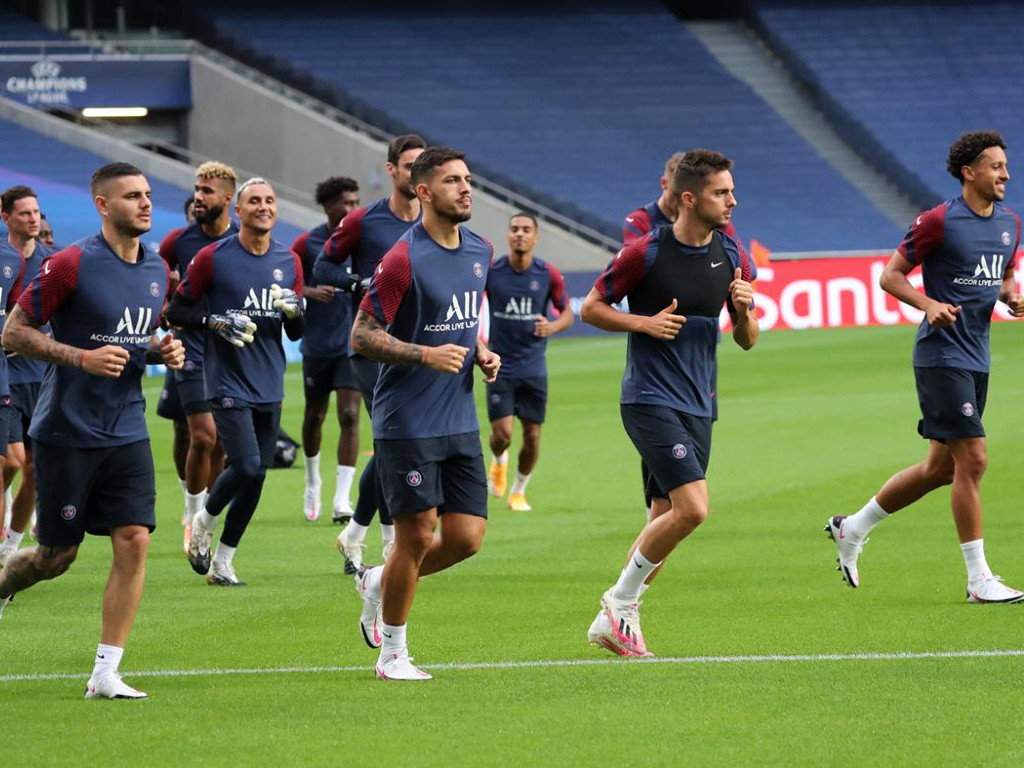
[(174, 281), (542, 328), (354, 283), (319, 293), (235, 328), (108, 361), (448, 358), (1015, 303), (942, 315), (489, 363), (741, 291), (172, 352), (286, 300), (665, 325)]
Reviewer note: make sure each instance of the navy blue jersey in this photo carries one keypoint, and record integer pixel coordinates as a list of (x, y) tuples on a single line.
[(232, 279), (178, 249), (21, 369), (12, 269), (515, 299), (963, 258), (361, 239), (676, 373), (91, 298), (328, 325), (427, 294)]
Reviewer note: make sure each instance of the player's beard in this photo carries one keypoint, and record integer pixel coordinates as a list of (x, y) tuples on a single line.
[(453, 214), (407, 192), (711, 222), (210, 215)]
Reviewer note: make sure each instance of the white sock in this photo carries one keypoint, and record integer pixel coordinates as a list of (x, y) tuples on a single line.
[(108, 659), (9, 501), (13, 540), (195, 501), (387, 533), (502, 459), (860, 524), (393, 638), (632, 577), (373, 581), (974, 559), (644, 588), (207, 520), (519, 486), (313, 471), (224, 554), (184, 486), (343, 489), (355, 532)]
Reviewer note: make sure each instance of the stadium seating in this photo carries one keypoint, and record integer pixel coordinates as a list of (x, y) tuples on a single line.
[(904, 79), (580, 104)]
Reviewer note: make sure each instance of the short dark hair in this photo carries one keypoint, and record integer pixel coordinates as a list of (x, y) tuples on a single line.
[(402, 144), (694, 168), (189, 202), (966, 149), (11, 195), (524, 215), (111, 171), (431, 159), (328, 189)]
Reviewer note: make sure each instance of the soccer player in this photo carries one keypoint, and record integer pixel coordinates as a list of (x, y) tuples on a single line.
[(190, 206), (45, 232), (103, 297), (419, 318), (966, 248), (19, 209), (353, 251), (184, 397), (235, 289), (676, 279), (519, 289), (12, 267), (326, 366)]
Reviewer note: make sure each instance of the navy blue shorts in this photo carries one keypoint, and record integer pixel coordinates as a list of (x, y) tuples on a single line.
[(323, 375), (169, 404), (366, 371), (675, 446), (525, 398), (23, 401), (952, 401), (443, 472), (192, 390), (246, 429), (93, 490), (6, 412)]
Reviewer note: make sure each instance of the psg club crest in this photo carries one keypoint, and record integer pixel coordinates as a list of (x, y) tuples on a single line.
[(68, 511), (189, 365), (534, 285), (227, 402), (8, 272), (154, 289), (1006, 238), (278, 274), (679, 451), (414, 478), (478, 270), (967, 409)]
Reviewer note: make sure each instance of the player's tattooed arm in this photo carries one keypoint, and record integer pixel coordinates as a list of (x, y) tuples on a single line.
[(371, 339), (22, 336)]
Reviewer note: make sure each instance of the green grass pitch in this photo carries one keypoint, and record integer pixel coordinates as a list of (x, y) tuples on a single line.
[(812, 423)]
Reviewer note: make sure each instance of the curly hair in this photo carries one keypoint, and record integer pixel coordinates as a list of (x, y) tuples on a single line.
[(328, 189), (694, 168), (211, 169), (966, 149)]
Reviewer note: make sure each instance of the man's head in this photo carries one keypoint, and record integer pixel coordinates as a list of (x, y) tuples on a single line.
[(522, 233), (215, 186), (122, 197), (338, 196), (978, 160), (19, 210), (190, 204), (702, 186), (442, 182), (666, 182), (402, 153), (45, 231), (257, 206)]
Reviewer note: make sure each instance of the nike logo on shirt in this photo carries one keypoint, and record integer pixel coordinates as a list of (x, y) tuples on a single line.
[(720, 263)]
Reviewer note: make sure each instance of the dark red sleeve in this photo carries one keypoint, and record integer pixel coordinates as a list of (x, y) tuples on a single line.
[(53, 286), (924, 235), (299, 246), (390, 282), (556, 291), (730, 230), (345, 239), (299, 272), (625, 271), (167, 248), (635, 226), (200, 274)]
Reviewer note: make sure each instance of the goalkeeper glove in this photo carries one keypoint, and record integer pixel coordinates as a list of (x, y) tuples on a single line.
[(286, 300), (353, 283), (235, 328)]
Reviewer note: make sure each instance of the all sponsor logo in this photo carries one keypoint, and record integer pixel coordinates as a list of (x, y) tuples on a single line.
[(462, 313), (414, 478), (259, 303), (68, 512), (679, 451), (134, 327)]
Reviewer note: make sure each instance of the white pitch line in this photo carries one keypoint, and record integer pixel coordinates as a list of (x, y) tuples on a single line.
[(540, 664)]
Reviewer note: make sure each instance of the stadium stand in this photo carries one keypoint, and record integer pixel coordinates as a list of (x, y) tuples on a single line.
[(580, 105), (885, 72)]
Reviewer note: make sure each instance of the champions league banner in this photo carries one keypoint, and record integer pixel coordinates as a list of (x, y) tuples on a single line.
[(76, 82)]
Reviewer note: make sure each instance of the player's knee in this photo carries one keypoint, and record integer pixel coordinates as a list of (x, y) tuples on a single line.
[(132, 544), (501, 437), (972, 465), (685, 520), (348, 417), (202, 438), (531, 435), (250, 468), (939, 474), (314, 414), (467, 546)]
